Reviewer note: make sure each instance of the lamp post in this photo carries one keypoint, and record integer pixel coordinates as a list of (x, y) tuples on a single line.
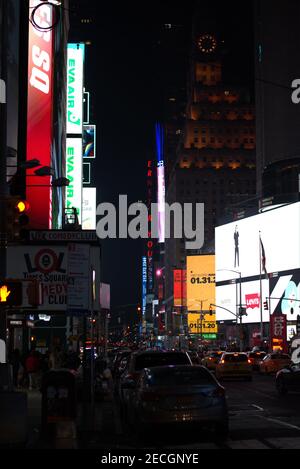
[(200, 302), (238, 305)]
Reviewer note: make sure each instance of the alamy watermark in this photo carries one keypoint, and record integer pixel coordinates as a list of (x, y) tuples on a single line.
[(162, 221)]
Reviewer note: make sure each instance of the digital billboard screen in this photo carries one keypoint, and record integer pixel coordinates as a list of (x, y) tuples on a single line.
[(200, 278), (89, 141)]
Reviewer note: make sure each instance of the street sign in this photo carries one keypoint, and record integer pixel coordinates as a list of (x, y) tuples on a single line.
[(205, 325)]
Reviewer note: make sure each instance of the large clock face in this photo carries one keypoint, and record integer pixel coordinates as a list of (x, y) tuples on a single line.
[(207, 43)]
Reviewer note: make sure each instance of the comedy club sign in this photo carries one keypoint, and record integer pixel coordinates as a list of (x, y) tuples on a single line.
[(48, 265)]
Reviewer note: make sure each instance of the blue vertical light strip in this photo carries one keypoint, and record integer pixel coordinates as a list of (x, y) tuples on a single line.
[(144, 289), (159, 135)]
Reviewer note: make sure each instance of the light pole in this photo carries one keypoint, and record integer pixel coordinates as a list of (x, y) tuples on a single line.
[(238, 305), (200, 302)]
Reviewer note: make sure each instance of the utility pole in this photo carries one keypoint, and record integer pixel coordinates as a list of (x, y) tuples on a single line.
[(3, 182)]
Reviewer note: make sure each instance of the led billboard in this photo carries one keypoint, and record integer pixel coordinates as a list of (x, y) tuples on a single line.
[(243, 248), (160, 183), (89, 208), (200, 277), (89, 141), (75, 62), (179, 287), (74, 174), (39, 113), (238, 247)]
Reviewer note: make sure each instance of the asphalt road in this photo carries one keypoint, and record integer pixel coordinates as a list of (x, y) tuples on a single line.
[(258, 419)]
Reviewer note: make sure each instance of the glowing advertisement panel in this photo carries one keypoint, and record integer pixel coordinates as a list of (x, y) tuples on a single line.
[(238, 247), (160, 183), (89, 208), (89, 141), (179, 287), (74, 174), (227, 297), (200, 278), (75, 61), (144, 287), (39, 114)]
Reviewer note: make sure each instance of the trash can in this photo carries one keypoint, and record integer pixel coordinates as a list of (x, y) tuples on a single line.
[(59, 401)]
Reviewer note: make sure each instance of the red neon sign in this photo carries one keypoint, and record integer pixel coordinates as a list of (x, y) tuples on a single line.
[(39, 114)]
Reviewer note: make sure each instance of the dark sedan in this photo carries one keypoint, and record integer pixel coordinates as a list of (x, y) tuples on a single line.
[(178, 395), (288, 379)]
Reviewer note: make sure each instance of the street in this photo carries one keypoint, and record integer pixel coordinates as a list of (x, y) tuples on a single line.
[(259, 419)]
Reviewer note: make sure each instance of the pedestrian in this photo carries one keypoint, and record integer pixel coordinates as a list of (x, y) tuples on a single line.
[(32, 366)]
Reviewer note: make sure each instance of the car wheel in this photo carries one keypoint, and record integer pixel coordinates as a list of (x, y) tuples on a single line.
[(222, 429), (281, 387)]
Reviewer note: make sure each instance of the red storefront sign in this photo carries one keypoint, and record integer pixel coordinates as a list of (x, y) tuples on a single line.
[(179, 287), (39, 114), (252, 300), (278, 332)]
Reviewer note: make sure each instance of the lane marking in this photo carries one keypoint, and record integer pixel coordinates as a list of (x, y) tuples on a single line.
[(258, 407), (280, 422)]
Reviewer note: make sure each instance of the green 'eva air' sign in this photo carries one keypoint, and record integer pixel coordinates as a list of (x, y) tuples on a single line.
[(74, 174), (75, 62)]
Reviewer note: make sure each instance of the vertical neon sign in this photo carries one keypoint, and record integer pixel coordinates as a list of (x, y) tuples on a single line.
[(160, 182), (144, 290), (39, 113)]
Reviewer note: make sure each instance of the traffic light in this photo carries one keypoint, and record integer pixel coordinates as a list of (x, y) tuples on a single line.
[(11, 293), (266, 306), (16, 216)]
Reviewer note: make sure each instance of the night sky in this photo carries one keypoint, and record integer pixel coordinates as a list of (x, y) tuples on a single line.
[(128, 71)]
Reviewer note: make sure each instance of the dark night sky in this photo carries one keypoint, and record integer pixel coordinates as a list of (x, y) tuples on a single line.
[(126, 74)]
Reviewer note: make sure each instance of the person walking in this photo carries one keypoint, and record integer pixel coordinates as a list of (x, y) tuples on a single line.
[(32, 366)]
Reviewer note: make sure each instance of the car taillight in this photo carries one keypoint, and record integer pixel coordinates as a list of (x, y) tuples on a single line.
[(250, 362), (149, 396), (210, 358), (222, 361), (219, 392)]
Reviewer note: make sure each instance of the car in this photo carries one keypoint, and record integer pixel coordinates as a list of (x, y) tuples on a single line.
[(179, 394), (255, 358), (146, 359), (288, 379), (273, 362), (211, 359), (234, 365)]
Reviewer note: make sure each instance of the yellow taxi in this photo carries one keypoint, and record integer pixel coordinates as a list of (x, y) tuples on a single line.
[(211, 359), (255, 358), (234, 365), (274, 362)]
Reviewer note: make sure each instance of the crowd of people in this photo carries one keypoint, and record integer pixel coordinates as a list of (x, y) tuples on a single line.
[(28, 368)]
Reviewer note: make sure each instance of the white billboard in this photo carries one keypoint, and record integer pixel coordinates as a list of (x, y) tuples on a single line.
[(228, 297), (89, 208), (241, 254), (74, 174), (75, 62), (237, 243)]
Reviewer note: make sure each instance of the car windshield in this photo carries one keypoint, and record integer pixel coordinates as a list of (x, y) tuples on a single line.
[(160, 359), (235, 358), (174, 376), (256, 354)]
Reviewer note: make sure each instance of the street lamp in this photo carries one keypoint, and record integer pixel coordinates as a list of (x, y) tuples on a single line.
[(201, 317), (239, 310)]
